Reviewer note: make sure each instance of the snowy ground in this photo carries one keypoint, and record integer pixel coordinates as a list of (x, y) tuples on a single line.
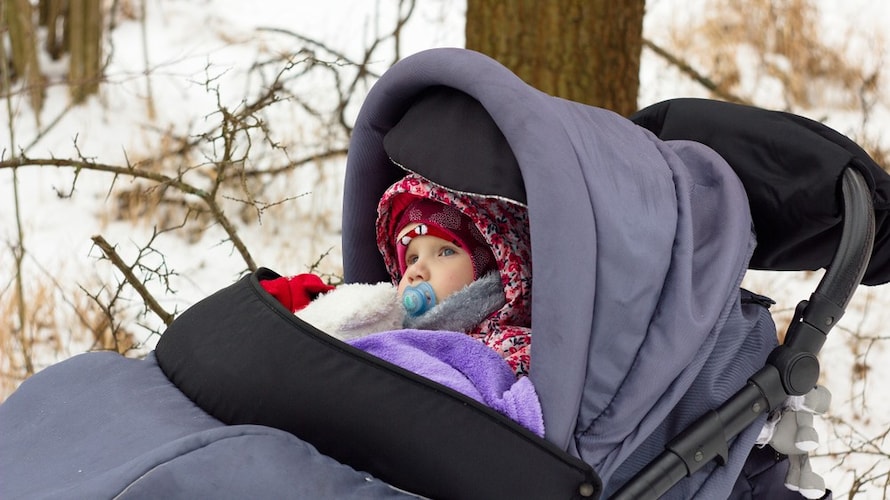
[(114, 127)]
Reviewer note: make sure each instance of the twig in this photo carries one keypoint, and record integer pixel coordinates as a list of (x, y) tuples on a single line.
[(207, 198), (19, 248), (82, 164), (693, 73), (149, 96), (291, 165), (338, 55), (131, 278)]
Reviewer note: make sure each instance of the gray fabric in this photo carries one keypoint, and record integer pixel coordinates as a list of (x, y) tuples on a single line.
[(102, 426), (735, 352), (639, 247)]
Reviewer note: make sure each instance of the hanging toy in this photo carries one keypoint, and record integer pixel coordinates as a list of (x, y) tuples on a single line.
[(418, 299)]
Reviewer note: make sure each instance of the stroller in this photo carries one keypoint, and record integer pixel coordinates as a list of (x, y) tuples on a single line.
[(648, 358)]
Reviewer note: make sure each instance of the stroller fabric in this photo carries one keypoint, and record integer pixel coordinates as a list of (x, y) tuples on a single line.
[(638, 248), (245, 359), (102, 426), (242, 398), (791, 168), (460, 362)]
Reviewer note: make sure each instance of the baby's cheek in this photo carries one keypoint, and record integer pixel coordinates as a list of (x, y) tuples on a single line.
[(454, 285)]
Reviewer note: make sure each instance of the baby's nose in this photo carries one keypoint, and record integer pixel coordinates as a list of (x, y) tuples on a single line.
[(418, 272)]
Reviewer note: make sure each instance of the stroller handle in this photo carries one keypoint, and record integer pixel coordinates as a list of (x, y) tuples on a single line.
[(854, 250), (791, 369), (796, 358)]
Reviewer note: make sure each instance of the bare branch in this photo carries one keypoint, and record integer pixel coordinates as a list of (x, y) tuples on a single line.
[(24, 161), (112, 255), (686, 68)]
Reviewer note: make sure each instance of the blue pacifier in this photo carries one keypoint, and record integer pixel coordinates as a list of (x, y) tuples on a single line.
[(418, 299)]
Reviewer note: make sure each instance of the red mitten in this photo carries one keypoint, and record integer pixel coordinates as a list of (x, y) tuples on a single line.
[(296, 292)]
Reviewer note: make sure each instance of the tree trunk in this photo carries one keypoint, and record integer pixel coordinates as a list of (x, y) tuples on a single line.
[(17, 15), (73, 26), (583, 50), (52, 16), (85, 45)]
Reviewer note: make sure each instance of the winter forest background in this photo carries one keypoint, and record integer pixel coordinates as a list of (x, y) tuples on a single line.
[(214, 142)]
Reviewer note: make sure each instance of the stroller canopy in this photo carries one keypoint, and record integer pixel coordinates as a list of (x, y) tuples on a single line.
[(638, 245)]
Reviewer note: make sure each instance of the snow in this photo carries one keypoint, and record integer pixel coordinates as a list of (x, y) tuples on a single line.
[(198, 42)]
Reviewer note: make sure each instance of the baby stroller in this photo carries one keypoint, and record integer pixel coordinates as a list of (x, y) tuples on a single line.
[(640, 237)]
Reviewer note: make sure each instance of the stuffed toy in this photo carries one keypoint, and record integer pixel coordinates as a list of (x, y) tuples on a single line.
[(791, 433)]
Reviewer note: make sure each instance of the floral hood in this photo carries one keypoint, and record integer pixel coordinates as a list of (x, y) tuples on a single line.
[(504, 225)]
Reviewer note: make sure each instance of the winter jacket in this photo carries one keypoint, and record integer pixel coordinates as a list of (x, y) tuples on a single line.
[(504, 225)]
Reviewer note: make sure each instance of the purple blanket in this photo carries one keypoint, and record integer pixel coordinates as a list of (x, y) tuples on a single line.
[(464, 364)]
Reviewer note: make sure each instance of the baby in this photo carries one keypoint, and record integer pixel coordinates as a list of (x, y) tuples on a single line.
[(449, 281), (459, 262), (457, 308)]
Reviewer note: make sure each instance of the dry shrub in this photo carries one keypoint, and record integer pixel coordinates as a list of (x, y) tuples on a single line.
[(57, 323), (26, 335), (777, 45), (239, 163)]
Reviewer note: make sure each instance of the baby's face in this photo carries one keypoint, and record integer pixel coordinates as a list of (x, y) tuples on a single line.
[(441, 263)]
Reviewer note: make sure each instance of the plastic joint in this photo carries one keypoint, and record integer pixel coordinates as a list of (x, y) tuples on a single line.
[(796, 359)]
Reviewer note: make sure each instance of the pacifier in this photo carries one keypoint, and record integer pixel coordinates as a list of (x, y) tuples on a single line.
[(418, 299)]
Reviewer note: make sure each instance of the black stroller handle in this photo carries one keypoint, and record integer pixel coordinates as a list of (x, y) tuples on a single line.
[(796, 358), (791, 369), (854, 250)]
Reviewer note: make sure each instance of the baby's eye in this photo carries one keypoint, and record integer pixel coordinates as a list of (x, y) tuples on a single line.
[(411, 259), (447, 251)]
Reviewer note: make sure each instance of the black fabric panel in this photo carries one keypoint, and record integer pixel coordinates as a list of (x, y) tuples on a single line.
[(244, 358), (449, 138), (763, 476), (791, 168)]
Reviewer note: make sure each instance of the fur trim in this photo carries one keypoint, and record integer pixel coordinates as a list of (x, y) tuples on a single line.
[(355, 310), (358, 309)]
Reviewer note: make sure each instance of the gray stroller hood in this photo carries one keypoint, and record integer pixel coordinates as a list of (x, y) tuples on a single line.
[(639, 246)]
